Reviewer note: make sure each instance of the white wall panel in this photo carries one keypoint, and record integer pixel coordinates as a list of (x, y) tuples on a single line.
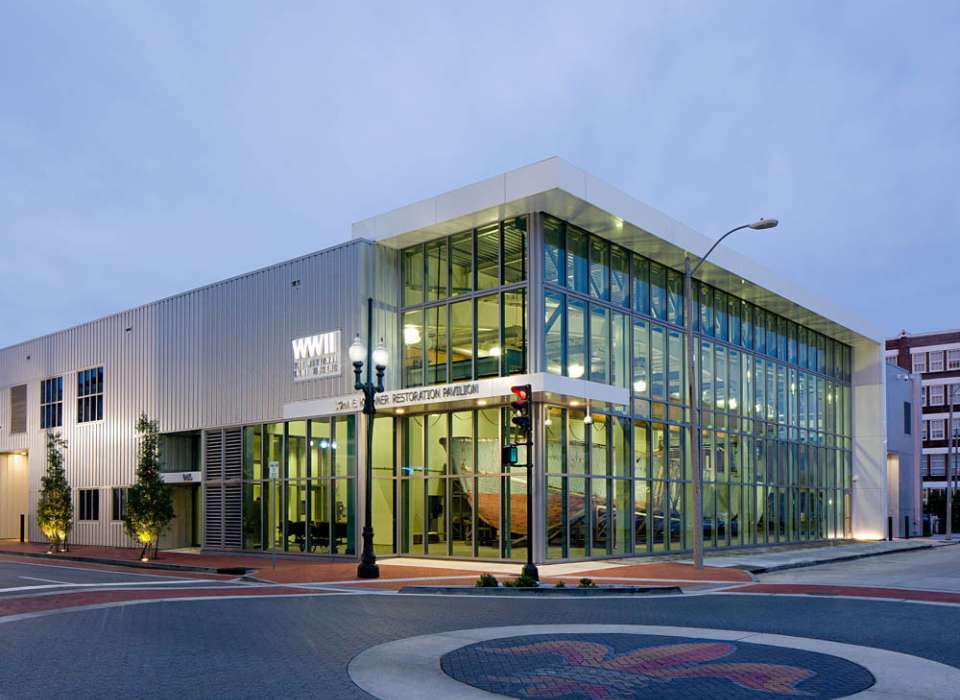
[(211, 357)]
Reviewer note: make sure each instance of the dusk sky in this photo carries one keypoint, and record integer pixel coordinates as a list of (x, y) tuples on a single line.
[(149, 148)]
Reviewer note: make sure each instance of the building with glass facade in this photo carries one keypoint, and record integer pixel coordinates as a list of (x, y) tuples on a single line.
[(542, 276)]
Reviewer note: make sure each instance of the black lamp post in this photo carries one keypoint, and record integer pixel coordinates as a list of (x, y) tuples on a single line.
[(379, 358)]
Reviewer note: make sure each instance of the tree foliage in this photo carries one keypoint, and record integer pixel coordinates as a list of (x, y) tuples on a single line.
[(55, 507), (149, 501)]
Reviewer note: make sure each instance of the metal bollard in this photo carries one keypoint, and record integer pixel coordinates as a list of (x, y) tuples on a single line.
[(906, 527), (23, 528), (890, 528)]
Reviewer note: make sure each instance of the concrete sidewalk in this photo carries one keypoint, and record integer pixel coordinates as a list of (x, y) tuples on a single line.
[(797, 558)]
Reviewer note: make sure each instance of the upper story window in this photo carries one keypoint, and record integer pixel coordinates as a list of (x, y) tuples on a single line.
[(923, 396), (936, 429), (90, 395), (920, 362), (475, 331), (51, 403), (475, 260), (907, 418), (936, 361), (936, 395), (953, 359)]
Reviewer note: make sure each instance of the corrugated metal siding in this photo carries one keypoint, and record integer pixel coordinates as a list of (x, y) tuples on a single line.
[(218, 356)]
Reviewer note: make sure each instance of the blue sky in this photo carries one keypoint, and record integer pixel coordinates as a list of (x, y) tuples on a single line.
[(148, 148)]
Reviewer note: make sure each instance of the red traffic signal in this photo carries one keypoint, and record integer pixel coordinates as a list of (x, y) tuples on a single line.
[(521, 406)]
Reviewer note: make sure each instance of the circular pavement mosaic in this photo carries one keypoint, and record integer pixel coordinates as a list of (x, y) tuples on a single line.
[(590, 666)]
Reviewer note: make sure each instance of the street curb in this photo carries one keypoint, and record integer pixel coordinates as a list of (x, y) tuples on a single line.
[(808, 564), (161, 566), (543, 591)]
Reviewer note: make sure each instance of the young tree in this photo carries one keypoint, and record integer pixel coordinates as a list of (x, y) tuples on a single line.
[(55, 508), (149, 502)]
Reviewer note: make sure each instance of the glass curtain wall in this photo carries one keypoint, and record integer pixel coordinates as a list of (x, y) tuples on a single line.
[(440, 488), (465, 305), (311, 506), (775, 401)]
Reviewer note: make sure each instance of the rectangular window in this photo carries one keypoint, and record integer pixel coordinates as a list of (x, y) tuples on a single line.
[(599, 268), (953, 359), (675, 297), (576, 338), (936, 395), (658, 291), (119, 506), (706, 310), (515, 250), (90, 395), (514, 332), (641, 285), (936, 429), (51, 403), (747, 321), (413, 348), (413, 276), (577, 264), (461, 341), (488, 336), (599, 344), (907, 417), (936, 361), (88, 502), (461, 263), (720, 314), (641, 358), (436, 337), (734, 313), (619, 336), (488, 256), (675, 363), (938, 465), (620, 276), (920, 362), (923, 396), (554, 331), (554, 255), (437, 270), (658, 362)]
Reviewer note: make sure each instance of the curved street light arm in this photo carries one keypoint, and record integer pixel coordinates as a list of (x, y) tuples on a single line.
[(716, 243)]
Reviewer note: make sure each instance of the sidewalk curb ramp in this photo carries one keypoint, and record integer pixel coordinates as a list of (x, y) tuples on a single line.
[(133, 564)]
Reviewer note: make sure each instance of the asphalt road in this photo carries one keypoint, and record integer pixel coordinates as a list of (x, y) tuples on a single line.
[(300, 647)]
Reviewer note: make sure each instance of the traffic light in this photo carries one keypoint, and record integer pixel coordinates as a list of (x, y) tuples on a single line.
[(509, 455), (521, 408)]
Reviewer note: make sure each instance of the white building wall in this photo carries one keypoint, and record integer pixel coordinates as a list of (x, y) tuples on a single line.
[(215, 356), (869, 488)]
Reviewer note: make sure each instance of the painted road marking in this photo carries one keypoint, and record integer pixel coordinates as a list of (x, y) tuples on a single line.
[(409, 669)]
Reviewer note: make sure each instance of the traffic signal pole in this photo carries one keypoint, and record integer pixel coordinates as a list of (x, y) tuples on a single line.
[(521, 419)]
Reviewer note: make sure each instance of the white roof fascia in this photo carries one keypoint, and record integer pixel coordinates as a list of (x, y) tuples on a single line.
[(559, 188)]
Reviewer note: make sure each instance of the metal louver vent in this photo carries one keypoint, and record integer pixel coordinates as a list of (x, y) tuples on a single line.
[(213, 515), (232, 515), (223, 499), (232, 454), (213, 456), (18, 409)]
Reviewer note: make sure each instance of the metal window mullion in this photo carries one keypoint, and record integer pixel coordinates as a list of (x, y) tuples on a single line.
[(474, 517)]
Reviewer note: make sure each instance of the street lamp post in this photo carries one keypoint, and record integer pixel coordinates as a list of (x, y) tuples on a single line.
[(692, 398), (379, 358)]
